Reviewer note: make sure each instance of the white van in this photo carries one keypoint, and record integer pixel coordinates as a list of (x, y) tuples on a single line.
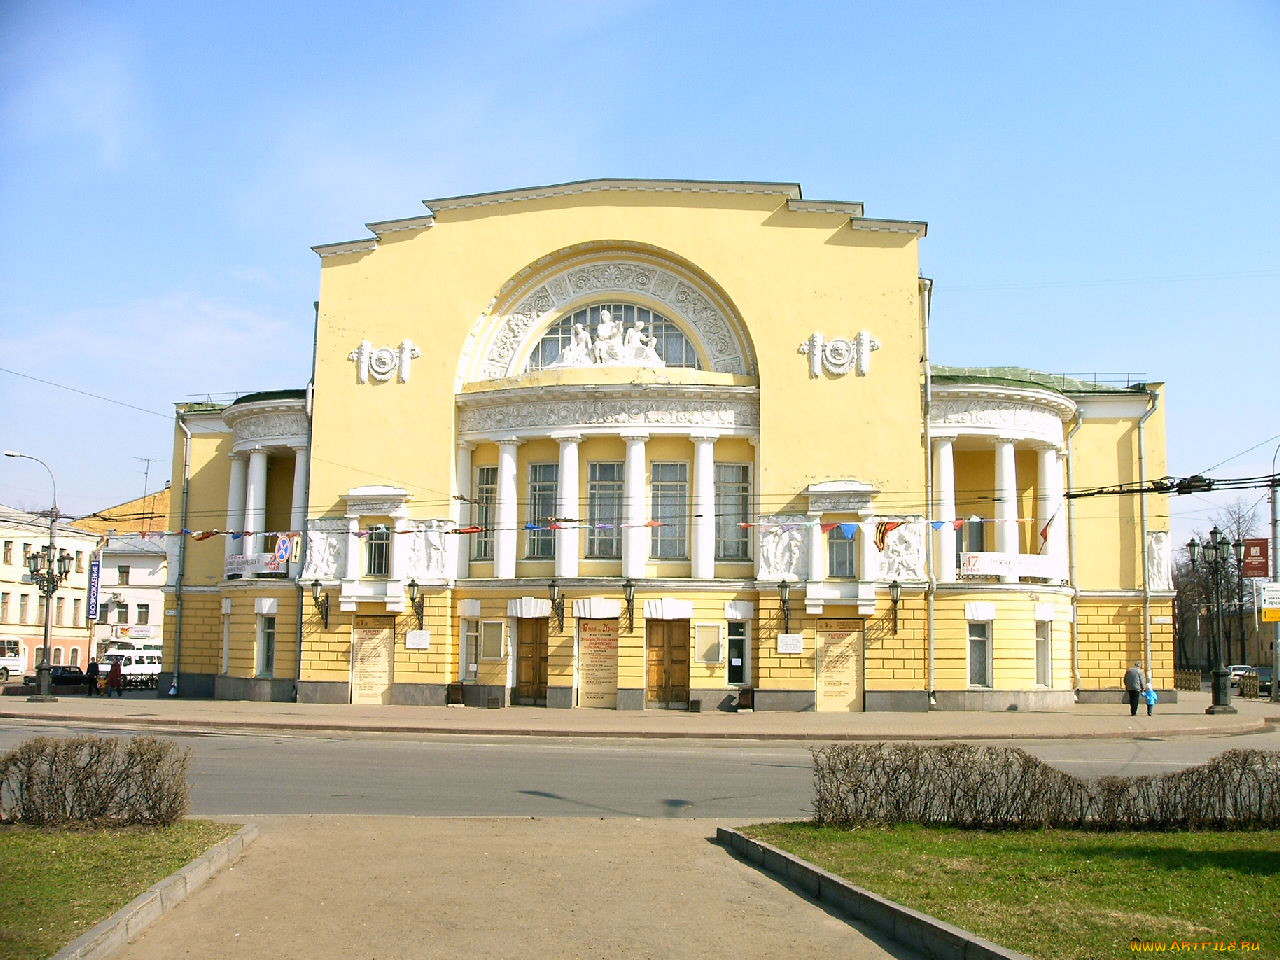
[(139, 664), (13, 658)]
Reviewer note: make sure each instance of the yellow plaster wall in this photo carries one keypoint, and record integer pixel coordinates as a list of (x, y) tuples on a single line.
[(1110, 638)]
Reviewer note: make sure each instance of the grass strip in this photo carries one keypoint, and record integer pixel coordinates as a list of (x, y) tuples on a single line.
[(1065, 895), (56, 884)]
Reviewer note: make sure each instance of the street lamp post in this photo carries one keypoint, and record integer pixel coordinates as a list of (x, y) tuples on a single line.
[(1217, 551), (48, 568)]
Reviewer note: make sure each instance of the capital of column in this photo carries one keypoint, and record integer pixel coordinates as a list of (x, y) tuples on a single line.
[(635, 436), (565, 439), (509, 441)]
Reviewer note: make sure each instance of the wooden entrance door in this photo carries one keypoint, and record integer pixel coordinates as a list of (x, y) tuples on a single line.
[(531, 662), (372, 659), (667, 658)]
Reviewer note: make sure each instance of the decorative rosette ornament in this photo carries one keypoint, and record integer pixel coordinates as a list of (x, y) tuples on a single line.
[(383, 362), (840, 355)]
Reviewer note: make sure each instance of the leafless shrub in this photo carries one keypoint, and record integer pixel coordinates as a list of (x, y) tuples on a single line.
[(1006, 788), (94, 780)]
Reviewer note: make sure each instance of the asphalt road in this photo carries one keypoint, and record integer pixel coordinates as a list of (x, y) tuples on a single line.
[(467, 776)]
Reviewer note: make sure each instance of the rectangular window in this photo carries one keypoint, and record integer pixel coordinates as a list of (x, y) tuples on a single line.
[(738, 652), (4, 608), (842, 555), (485, 507), (1044, 653), (75, 612), (490, 639), (604, 510), (8, 551), (980, 654), (144, 613), (59, 609), (706, 641), (377, 552), (57, 654), (79, 561), (102, 609), (541, 543), (733, 500), (266, 646), (970, 538), (122, 576), (26, 552), (122, 613), (40, 608), (669, 484), (23, 602), (75, 656)]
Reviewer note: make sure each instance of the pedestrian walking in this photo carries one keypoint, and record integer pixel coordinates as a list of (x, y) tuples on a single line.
[(1135, 682), (115, 679), (91, 674), (1151, 697)]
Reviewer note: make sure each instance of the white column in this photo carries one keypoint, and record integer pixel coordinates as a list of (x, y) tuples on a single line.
[(506, 518), (1006, 503), (255, 503), (635, 536), (235, 504), (869, 565), (462, 507), (1050, 506), (568, 506), (298, 516), (817, 548), (355, 549), (401, 544), (944, 491), (704, 507)]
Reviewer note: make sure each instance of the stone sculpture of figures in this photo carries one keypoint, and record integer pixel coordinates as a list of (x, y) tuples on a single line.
[(644, 346), (781, 550), (1159, 561), (324, 554), (608, 345), (635, 347), (904, 553), (427, 551)]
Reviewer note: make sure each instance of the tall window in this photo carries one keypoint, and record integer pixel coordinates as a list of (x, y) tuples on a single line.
[(377, 552), (266, 646), (604, 510), (1044, 653), (842, 555), (4, 608), (23, 601), (57, 655), (485, 506), (738, 652), (670, 343), (144, 613), (122, 576), (75, 656), (733, 500), (79, 561), (122, 613), (59, 610), (980, 654), (540, 543), (75, 612), (8, 551), (670, 487)]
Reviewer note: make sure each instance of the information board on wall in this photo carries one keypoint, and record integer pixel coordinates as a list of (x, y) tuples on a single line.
[(598, 663)]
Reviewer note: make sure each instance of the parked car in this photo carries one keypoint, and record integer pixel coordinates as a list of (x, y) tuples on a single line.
[(60, 675), (1264, 681), (1238, 670)]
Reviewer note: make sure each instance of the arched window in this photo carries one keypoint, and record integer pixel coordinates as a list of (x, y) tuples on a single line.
[(556, 348)]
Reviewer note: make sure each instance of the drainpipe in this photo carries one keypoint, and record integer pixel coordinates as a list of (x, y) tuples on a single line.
[(306, 497), (1154, 400), (931, 586), (182, 550), (1071, 558)]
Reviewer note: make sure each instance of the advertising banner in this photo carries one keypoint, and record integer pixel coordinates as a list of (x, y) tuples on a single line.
[(598, 663), (1256, 557), (95, 577), (241, 565)]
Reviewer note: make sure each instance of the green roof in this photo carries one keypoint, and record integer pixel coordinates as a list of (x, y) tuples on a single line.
[(271, 395), (1022, 377)]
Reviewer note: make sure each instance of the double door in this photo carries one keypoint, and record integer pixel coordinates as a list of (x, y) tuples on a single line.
[(667, 663), (531, 662)]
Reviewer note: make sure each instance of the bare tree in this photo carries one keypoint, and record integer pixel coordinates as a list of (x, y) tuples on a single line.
[(1237, 520)]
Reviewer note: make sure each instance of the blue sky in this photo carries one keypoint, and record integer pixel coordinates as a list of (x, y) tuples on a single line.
[(1099, 181)]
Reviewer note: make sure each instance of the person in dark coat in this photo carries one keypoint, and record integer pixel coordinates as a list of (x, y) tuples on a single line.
[(115, 679), (1135, 682), (91, 675)]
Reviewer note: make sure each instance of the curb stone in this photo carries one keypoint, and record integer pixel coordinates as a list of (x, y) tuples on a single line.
[(929, 936), (149, 906)]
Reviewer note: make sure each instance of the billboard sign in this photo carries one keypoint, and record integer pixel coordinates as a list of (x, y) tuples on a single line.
[(1256, 557), (95, 577)]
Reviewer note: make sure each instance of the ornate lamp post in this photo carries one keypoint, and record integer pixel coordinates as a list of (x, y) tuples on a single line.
[(48, 567), (1217, 551)]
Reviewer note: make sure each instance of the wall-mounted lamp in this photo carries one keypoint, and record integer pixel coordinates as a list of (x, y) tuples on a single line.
[(895, 594), (784, 595), (416, 601), (557, 604), (320, 600), (629, 597)]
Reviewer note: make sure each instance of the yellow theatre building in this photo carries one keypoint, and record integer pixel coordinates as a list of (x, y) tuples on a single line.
[(635, 444)]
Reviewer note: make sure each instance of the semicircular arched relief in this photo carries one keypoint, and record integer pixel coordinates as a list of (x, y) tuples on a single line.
[(532, 302)]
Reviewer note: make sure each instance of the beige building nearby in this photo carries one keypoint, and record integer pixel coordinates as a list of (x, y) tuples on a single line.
[(633, 444)]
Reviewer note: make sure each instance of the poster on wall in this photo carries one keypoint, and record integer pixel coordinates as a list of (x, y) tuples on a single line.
[(838, 647), (598, 663), (372, 648)]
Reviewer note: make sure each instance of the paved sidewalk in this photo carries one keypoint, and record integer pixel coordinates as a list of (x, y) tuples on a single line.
[(143, 710)]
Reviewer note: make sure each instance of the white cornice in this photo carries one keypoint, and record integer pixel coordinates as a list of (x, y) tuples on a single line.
[(981, 393), (789, 190), (346, 247), (383, 227), (852, 208), (915, 228)]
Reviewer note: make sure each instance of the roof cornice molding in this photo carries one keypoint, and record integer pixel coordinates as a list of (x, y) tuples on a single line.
[(916, 228), (791, 191), (383, 227), (346, 247), (852, 208), (1044, 397)]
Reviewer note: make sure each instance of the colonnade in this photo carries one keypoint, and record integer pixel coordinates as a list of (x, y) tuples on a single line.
[(247, 497)]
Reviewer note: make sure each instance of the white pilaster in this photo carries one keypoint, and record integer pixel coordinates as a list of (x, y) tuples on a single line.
[(505, 537), (298, 513), (704, 507), (462, 507), (568, 506), (235, 504), (255, 503), (635, 536), (944, 487), (355, 549), (1006, 501), (817, 548)]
